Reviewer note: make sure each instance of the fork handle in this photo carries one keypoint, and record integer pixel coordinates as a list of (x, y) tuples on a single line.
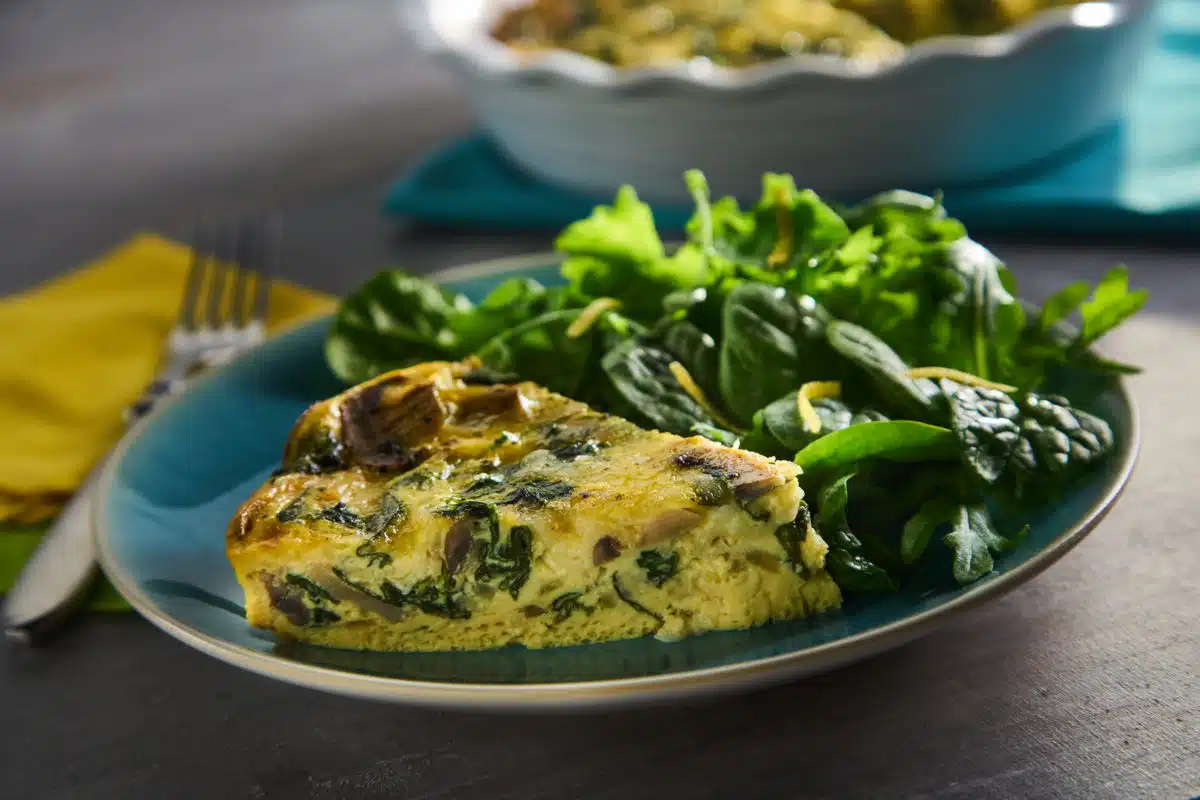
[(60, 570)]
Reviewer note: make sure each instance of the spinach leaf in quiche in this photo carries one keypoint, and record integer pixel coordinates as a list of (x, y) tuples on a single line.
[(659, 566), (567, 604), (340, 514), (509, 562)]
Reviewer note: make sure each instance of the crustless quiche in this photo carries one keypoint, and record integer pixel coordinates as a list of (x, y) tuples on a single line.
[(436, 508)]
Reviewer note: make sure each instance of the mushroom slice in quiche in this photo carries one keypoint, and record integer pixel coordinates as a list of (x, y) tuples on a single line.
[(436, 508)]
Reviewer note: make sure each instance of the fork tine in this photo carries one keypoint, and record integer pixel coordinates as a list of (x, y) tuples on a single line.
[(243, 280), (218, 275), (267, 266), (194, 284)]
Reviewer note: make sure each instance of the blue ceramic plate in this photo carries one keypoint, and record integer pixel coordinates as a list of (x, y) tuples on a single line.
[(166, 498)]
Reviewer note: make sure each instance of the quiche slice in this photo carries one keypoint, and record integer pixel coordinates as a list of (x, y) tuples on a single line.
[(438, 508)]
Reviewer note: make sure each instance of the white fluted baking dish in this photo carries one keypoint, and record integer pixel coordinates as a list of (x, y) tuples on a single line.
[(955, 109)]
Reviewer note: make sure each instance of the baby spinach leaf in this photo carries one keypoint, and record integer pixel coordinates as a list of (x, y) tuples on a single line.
[(974, 542), (1033, 445), (894, 440), (988, 425), (919, 529), (782, 420), (642, 376), (539, 350), (718, 435), (692, 348), (982, 320), (394, 320), (772, 344), (846, 560), (883, 368), (857, 574)]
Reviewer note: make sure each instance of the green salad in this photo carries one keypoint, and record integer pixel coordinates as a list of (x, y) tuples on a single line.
[(877, 345)]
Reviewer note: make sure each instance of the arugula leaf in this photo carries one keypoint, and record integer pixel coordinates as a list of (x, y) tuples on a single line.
[(616, 252), (512, 302), (622, 232), (894, 440), (815, 227), (1033, 446), (974, 541), (641, 375), (394, 320), (883, 368), (539, 350), (890, 276), (772, 343), (901, 200), (1111, 304), (1063, 304), (786, 223)]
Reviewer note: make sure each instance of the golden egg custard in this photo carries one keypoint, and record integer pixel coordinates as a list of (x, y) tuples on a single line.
[(439, 508)]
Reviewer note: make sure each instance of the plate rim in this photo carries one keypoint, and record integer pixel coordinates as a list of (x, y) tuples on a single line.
[(579, 695)]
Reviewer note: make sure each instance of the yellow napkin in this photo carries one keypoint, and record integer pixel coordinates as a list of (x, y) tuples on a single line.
[(75, 352)]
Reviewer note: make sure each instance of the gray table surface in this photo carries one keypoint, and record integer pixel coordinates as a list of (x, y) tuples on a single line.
[(122, 115)]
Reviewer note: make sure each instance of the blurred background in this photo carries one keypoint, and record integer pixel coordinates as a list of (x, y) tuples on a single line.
[(120, 115)]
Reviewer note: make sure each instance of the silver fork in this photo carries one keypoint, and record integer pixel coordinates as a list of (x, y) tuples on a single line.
[(222, 313)]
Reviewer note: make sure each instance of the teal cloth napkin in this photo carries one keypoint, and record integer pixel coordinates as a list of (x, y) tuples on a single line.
[(1141, 175)]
